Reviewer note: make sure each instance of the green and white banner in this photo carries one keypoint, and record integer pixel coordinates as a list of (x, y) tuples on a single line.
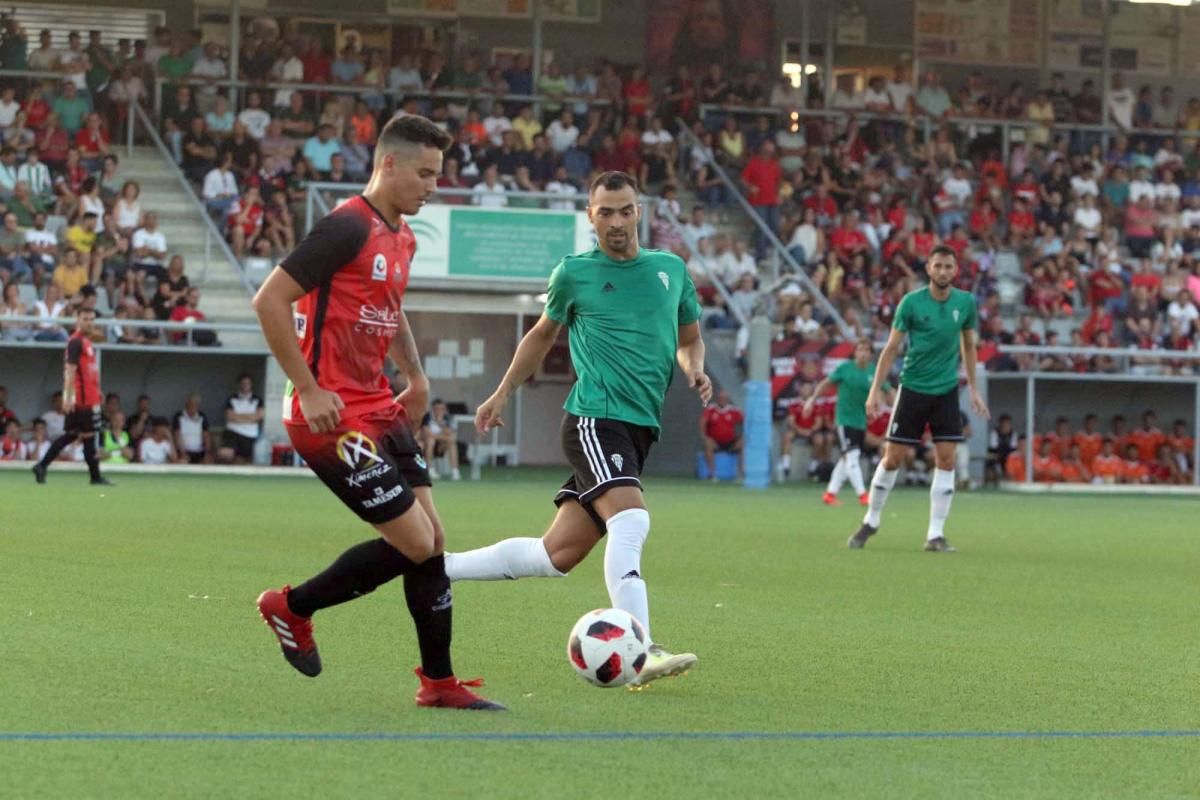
[(463, 241)]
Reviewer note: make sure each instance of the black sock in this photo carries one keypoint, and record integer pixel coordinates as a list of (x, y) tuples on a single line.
[(89, 455), (427, 590), (358, 571), (56, 447)]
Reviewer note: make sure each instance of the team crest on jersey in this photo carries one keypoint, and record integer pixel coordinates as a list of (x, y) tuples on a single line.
[(617, 460), (379, 268), (662, 276)]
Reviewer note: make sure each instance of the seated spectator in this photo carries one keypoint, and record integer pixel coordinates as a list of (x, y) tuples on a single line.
[(245, 220), (278, 150), (199, 151), (254, 117), (127, 211), (356, 156), (11, 306), (220, 119), (157, 446), (36, 177), (189, 311), (563, 185), (49, 309), (149, 249), (489, 193), (1132, 469), (736, 263), (70, 108), (527, 126), (721, 429), (192, 438), (279, 227), (115, 446), (296, 121), (24, 206), (439, 438), (93, 143), (12, 448), (243, 424), (71, 274), (220, 190), (1047, 468), (697, 228), (1002, 442), (320, 149), (13, 250), (562, 133)]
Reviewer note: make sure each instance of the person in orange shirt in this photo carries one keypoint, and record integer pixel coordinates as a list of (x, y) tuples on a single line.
[(1183, 445), (1014, 465), (1062, 438), (1074, 469), (1120, 433), (1148, 438), (1106, 467), (1089, 440), (1047, 468), (1132, 468)]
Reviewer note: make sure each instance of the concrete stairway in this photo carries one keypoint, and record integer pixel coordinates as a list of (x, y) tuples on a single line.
[(224, 298)]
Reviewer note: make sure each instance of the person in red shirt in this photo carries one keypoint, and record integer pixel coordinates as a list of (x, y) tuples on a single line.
[(847, 240), (318, 68), (1106, 467), (92, 141), (81, 393), (610, 158), (189, 311), (982, 221), (1132, 468), (1148, 438), (1089, 440), (11, 446), (346, 281), (762, 175), (245, 221), (921, 243), (636, 92), (1148, 279), (808, 427), (1047, 468), (721, 427), (822, 202), (1021, 224), (1164, 469)]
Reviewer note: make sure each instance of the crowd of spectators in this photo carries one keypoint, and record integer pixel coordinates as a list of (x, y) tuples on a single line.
[(143, 436), (1143, 455)]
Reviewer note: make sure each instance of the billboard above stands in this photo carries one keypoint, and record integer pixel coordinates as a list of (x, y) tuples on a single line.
[(503, 244)]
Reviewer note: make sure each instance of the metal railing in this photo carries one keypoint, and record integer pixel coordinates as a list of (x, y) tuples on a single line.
[(38, 324), (778, 249), (211, 232)]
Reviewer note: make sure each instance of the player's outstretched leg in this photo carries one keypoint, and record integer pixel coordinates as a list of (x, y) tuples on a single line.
[(56, 447), (881, 487), (568, 540)]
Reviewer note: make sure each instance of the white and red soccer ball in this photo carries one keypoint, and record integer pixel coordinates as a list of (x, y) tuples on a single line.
[(608, 647)]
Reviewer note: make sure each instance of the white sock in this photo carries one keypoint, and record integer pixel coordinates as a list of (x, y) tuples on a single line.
[(785, 462), (941, 493), (837, 478), (854, 472), (506, 560), (627, 532), (881, 485)]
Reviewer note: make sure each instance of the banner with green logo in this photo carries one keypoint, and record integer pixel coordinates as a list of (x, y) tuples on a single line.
[(495, 243)]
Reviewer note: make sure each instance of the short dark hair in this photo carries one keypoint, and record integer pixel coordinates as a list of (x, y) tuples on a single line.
[(414, 129), (943, 250), (613, 181)]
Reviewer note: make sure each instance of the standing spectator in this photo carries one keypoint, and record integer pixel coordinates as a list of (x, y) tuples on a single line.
[(44, 58), (192, 437), (288, 68), (581, 85), (932, 98), (762, 176), (210, 68), (721, 427), (1120, 102), (243, 424), (156, 447)]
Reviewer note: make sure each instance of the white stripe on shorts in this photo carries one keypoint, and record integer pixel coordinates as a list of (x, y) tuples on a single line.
[(585, 442), (590, 429)]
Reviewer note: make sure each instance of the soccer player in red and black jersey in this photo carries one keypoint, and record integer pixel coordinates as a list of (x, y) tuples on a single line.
[(81, 394), (346, 280)]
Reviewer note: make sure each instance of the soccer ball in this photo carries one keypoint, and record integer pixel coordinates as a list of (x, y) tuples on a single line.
[(608, 647)]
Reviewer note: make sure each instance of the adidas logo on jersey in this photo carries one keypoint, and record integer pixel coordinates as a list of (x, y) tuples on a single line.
[(608, 287)]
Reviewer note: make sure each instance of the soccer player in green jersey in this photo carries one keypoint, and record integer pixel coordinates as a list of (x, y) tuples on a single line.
[(853, 380), (940, 323), (630, 313)]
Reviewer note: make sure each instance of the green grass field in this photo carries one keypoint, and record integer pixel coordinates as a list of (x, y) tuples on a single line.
[(130, 611)]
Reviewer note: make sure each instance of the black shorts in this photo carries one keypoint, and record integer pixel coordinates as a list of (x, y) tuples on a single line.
[(914, 410), (732, 446), (242, 446), (83, 421), (194, 457), (371, 462), (850, 438), (603, 453)]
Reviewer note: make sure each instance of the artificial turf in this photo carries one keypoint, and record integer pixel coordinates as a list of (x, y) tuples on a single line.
[(129, 610)]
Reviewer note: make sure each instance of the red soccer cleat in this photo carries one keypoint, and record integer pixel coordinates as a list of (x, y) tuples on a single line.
[(830, 500), (864, 499), (452, 693), (294, 632)]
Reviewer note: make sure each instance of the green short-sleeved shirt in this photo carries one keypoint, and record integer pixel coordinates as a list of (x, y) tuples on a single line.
[(853, 385), (934, 329), (623, 320)]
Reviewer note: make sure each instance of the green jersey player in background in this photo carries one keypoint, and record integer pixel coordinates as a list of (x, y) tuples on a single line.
[(940, 323), (630, 313), (853, 381)]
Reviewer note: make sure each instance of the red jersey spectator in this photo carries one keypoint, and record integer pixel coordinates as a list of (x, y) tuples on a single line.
[(1099, 320), (189, 311), (245, 221), (823, 203), (1147, 279), (761, 175), (637, 93), (847, 240), (721, 427), (317, 66)]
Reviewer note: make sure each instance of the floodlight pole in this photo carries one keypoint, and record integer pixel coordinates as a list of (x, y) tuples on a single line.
[(1105, 67), (830, 38), (235, 51), (804, 32)]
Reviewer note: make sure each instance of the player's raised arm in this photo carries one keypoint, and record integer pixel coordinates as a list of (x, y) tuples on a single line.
[(884, 368), (969, 359), (530, 353), (820, 389), (404, 354), (690, 355), (273, 305)]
